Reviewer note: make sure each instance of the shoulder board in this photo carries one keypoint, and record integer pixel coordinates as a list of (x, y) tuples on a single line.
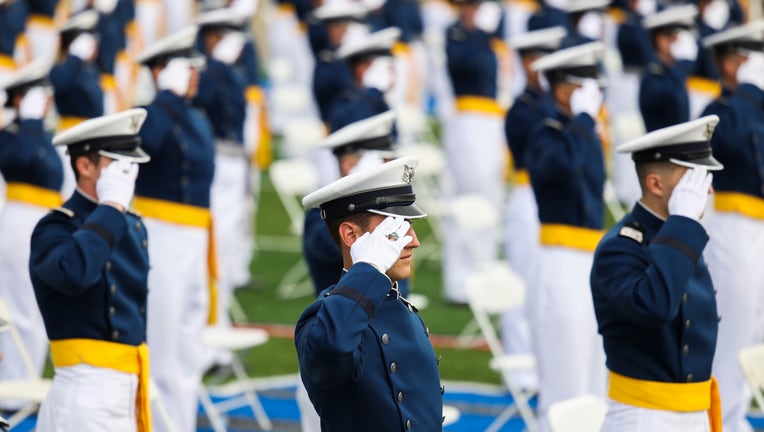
[(135, 213), (633, 231), (63, 210), (655, 68), (552, 123)]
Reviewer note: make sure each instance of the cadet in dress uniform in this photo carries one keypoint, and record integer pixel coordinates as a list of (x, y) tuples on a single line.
[(652, 292), (41, 31), (551, 13), (173, 193), (13, 15), (663, 99), (567, 171), (331, 75), (736, 225), (89, 267), (473, 138), (378, 371), (633, 41), (588, 20), (370, 60), (521, 225), (33, 172)]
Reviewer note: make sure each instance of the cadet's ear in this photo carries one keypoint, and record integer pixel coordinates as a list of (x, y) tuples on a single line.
[(655, 184), (349, 233)]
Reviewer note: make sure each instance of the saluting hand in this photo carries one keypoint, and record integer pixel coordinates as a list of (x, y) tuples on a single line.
[(690, 195), (116, 185), (382, 247)]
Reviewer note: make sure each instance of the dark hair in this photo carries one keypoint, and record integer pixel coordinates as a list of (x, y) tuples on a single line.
[(362, 219), (92, 157)]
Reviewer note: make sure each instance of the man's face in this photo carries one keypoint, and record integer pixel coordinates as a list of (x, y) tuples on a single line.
[(402, 268)]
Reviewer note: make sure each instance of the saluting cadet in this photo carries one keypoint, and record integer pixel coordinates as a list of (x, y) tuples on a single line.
[(588, 20), (567, 171), (736, 225), (663, 99), (521, 225), (331, 75), (378, 370), (652, 292), (173, 193), (473, 138), (89, 266), (357, 147), (75, 78), (33, 172), (370, 60), (221, 96)]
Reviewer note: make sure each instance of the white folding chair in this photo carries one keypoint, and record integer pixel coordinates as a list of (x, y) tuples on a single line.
[(33, 389), (234, 339), (583, 413), (492, 290), (751, 361)]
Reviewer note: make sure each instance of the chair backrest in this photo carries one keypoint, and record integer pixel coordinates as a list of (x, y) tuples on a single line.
[(751, 361), (492, 289), (6, 325), (292, 179), (579, 414)]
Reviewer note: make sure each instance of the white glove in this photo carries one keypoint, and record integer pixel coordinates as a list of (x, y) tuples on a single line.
[(229, 48), (379, 75), (382, 247), (716, 14), (176, 76), (752, 70), (690, 195), (646, 7), (587, 99), (592, 25), (367, 161), (83, 46), (105, 6), (117, 183), (34, 104), (487, 16), (685, 47)]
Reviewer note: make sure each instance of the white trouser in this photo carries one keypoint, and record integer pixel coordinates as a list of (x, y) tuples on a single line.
[(86, 398), (569, 353), (521, 249), (309, 419), (627, 418), (178, 308), (179, 14), (734, 256), (475, 156), (17, 221), (43, 39)]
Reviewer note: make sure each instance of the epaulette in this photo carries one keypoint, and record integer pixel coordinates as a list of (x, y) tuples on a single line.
[(135, 213), (63, 210), (632, 230), (554, 124), (457, 34), (655, 68)]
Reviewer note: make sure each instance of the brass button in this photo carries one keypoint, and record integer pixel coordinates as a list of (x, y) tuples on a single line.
[(400, 396), (108, 265), (685, 349), (385, 339), (427, 331), (437, 360), (138, 225), (684, 298), (442, 389), (115, 334), (689, 377), (113, 289), (393, 367), (408, 424), (145, 243), (687, 324), (112, 311)]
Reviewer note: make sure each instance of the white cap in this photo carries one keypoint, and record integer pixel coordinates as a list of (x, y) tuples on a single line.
[(384, 189), (340, 10), (33, 73), (686, 144), (372, 133), (179, 44), (573, 64), (677, 16), (379, 42), (85, 21), (750, 36), (575, 6), (114, 136), (547, 39), (223, 18)]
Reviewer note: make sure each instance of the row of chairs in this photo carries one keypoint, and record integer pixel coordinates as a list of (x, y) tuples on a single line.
[(34, 389)]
